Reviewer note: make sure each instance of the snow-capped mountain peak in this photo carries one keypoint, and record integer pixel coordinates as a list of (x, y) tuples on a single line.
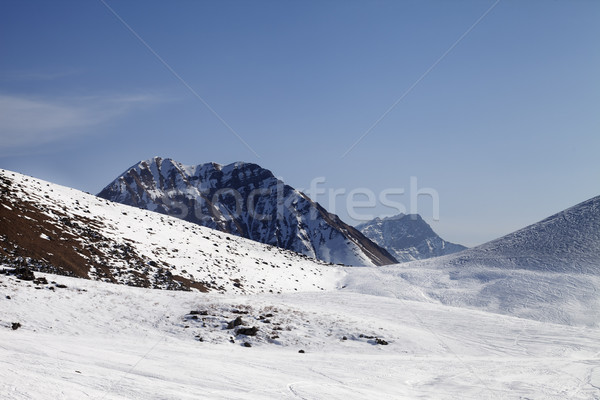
[(407, 237), (246, 200)]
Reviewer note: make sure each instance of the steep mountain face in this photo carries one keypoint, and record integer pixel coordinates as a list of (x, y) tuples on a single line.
[(407, 237), (51, 228), (246, 200)]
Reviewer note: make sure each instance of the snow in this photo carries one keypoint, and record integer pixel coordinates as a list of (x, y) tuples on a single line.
[(549, 271), (407, 237), (169, 185), (480, 324), (186, 249), (105, 341)]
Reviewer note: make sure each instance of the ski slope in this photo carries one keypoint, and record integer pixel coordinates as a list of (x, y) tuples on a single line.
[(105, 341)]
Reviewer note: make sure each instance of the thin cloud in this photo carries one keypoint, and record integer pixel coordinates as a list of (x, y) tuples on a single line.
[(37, 75), (28, 121)]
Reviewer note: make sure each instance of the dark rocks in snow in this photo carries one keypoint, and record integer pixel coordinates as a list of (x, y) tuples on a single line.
[(372, 339), (8, 297), (247, 331), (61, 286), (246, 344), (195, 312), (40, 281), (344, 338), (236, 322), (301, 351), (23, 273), (15, 325)]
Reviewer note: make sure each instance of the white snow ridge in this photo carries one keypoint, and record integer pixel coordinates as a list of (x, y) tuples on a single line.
[(104, 301)]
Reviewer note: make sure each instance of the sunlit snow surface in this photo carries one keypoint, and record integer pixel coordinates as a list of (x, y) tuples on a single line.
[(451, 333), (104, 341)]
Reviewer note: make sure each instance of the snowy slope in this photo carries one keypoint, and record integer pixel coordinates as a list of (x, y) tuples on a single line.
[(245, 200), (549, 271), (90, 339), (407, 237), (425, 329), (54, 228)]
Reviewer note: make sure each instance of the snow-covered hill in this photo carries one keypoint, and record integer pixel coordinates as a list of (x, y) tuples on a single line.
[(407, 237), (549, 271), (245, 200), (275, 324), (57, 229)]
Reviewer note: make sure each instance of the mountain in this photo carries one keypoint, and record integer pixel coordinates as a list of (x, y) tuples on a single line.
[(246, 200), (329, 332), (407, 237), (51, 228), (548, 271), (568, 242)]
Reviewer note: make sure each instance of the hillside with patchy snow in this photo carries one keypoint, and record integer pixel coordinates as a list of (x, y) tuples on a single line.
[(246, 200), (56, 229)]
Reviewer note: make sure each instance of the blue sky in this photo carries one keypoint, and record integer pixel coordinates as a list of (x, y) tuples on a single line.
[(505, 127)]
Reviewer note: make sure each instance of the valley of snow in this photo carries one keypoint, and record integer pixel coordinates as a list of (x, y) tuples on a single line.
[(490, 322), (94, 340)]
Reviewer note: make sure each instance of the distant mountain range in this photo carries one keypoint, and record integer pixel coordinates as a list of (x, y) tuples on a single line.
[(246, 200), (407, 237)]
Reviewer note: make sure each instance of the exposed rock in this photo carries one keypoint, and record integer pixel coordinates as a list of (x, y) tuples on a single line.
[(407, 237), (24, 274), (247, 331), (224, 197), (236, 322)]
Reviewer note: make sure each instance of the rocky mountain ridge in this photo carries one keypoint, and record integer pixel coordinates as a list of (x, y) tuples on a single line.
[(246, 200)]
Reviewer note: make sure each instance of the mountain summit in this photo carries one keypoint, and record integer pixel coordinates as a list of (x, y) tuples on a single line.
[(407, 237), (246, 200)]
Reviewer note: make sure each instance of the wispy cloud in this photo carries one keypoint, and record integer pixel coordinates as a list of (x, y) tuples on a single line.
[(37, 75), (26, 121)]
